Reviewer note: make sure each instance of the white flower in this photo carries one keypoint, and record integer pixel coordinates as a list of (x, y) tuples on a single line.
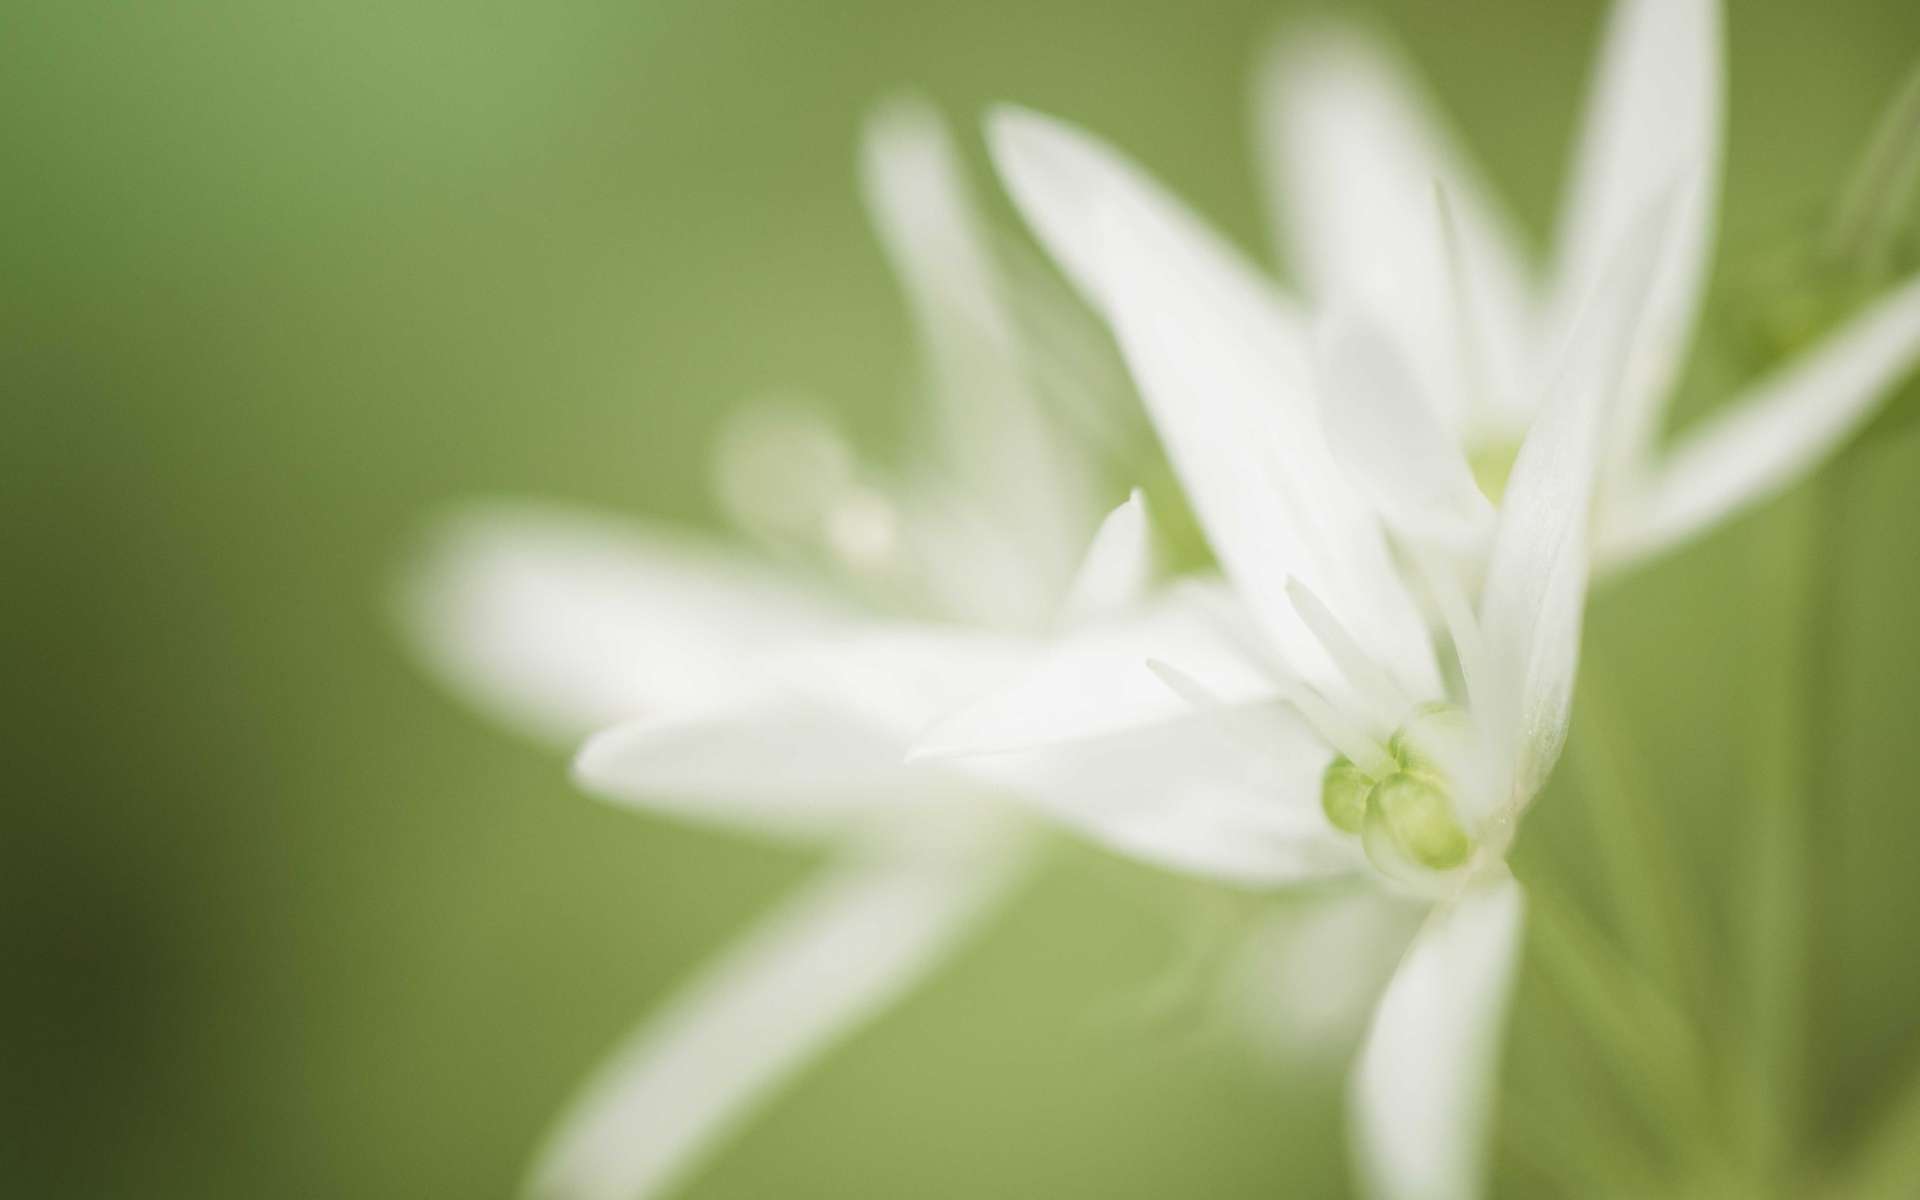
[(1306, 700), (720, 689), (1506, 434), (1355, 155)]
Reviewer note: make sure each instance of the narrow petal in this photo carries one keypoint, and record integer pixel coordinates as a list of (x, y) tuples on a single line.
[(1536, 584), (561, 622), (1059, 177), (1653, 118), (987, 430), (1096, 680), (1354, 147), (1119, 564), (1423, 1090), (1774, 433), (818, 744), (1391, 442), (1193, 795), (1222, 364), (824, 963)]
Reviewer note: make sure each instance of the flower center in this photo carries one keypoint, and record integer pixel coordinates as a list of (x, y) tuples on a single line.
[(1404, 815)]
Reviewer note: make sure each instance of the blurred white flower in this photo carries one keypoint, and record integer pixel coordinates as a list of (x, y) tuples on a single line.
[(1301, 711), (1380, 211), (782, 701)]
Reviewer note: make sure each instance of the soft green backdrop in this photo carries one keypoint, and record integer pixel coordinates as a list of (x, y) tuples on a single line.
[(278, 281)]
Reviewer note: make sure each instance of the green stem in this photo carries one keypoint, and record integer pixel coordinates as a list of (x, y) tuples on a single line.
[(1796, 773), (1886, 1165), (1656, 1058), (1661, 922)]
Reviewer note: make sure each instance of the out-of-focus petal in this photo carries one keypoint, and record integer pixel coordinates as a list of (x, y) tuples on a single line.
[(1307, 976), (820, 743), (1354, 149), (1114, 575), (1390, 441), (1537, 572), (1224, 368), (988, 434), (817, 968), (1095, 680), (563, 622), (1422, 1092), (1773, 433), (1653, 120)]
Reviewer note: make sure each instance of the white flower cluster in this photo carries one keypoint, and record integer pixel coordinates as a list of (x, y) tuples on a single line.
[(1409, 471)]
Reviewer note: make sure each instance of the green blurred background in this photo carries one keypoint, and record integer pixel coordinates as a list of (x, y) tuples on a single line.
[(277, 282)]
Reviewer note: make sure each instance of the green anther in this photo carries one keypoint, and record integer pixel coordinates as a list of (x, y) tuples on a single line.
[(1414, 811), (1492, 466), (1343, 795)]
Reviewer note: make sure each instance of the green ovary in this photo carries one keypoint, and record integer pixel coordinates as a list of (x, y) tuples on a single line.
[(1404, 816), (1343, 795), (1415, 812)]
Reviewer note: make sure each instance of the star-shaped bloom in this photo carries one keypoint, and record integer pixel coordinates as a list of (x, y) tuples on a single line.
[(1442, 427), (1379, 209), (1301, 711), (721, 687)]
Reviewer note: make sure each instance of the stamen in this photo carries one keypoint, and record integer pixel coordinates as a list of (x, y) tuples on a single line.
[(1463, 628), (1375, 687)]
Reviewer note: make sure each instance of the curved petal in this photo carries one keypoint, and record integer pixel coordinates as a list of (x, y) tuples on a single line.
[(818, 743), (562, 622), (825, 962), (1223, 367), (1354, 148), (1773, 433), (1653, 118), (1537, 572), (1422, 1092)]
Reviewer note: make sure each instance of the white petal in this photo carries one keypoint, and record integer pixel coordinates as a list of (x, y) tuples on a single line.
[(1095, 680), (1354, 148), (1223, 366), (1059, 177), (1234, 402), (1775, 432), (819, 744), (825, 962), (562, 622), (1537, 572), (1653, 119), (1192, 795), (987, 431), (1118, 567), (1308, 975), (1390, 441), (1422, 1092)]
